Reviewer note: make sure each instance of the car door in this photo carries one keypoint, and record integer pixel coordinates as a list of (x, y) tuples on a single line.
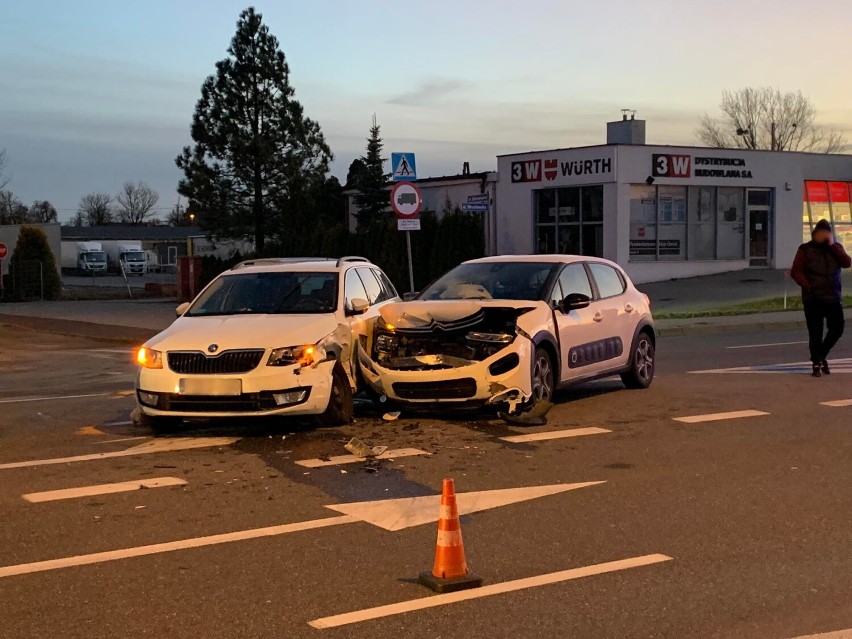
[(579, 329), (618, 317)]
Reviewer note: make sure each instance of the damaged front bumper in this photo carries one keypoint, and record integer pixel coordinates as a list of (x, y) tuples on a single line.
[(502, 378)]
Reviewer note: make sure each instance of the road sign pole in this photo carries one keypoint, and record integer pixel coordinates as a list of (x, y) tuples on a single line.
[(410, 263)]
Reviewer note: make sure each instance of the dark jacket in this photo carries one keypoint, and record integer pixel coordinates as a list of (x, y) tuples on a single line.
[(817, 270)]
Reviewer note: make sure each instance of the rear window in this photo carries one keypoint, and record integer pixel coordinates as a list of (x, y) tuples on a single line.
[(609, 280)]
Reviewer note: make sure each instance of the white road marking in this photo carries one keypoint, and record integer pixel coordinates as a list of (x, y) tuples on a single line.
[(50, 399), (841, 366), (765, 345), (390, 514), (485, 591), (352, 459), (157, 446), (716, 417), (555, 434), (123, 439), (837, 634), (126, 422), (102, 489), (837, 403), (396, 514), (155, 549)]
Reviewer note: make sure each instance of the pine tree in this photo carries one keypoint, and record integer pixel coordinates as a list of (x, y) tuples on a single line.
[(372, 200), (33, 248), (255, 153)]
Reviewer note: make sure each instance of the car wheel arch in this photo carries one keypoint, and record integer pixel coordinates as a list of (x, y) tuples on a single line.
[(543, 339)]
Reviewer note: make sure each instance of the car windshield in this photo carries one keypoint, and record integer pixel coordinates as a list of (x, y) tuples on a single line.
[(268, 293), (134, 257), (491, 280), (95, 256)]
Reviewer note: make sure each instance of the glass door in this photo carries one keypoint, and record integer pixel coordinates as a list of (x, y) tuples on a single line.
[(758, 237)]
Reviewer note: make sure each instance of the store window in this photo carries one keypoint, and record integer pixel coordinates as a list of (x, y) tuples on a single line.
[(569, 221), (838, 195), (702, 223), (695, 223), (827, 201)]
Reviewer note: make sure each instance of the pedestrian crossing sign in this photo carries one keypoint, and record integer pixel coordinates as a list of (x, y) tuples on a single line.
[(404, 167)]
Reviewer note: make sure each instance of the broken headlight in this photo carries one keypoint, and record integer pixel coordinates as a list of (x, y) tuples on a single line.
[(386, 343), (289, 355), (490, 338)]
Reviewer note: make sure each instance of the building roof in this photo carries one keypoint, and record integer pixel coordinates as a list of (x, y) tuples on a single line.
[(130, 232), (671, 146), (459, 177)]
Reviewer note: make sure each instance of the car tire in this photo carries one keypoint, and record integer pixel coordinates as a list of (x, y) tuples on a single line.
[(542, 376), (157, 424), (642, 363), (340, 410)]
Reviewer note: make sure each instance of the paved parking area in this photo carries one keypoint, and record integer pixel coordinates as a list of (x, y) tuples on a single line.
[(711, 505)]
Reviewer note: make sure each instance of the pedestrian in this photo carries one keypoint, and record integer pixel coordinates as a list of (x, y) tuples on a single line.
[(817, 270)]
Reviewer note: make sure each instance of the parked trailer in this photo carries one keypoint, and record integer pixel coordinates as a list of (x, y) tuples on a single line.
[(127, 254), (87, 258)]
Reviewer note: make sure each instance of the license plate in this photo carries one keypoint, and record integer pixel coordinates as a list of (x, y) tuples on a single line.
[(212, 386)]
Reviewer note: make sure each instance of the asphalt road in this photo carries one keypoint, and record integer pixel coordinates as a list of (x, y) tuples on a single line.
[(744, 523)]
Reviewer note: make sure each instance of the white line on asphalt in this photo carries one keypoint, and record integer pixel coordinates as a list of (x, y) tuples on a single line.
[(485, 591), (555, 434), (48, 399), (102, 489), (123, 439), (154, 549), (126, 422), (765, 345), (353, 459), (157, 446), (715, 417), (838, 403), (837, 634)]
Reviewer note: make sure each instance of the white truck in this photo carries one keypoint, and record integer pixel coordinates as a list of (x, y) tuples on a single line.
[(127, 255), (88, 258)]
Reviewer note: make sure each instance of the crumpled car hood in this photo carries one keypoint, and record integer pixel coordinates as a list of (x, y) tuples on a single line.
[(422, 313)]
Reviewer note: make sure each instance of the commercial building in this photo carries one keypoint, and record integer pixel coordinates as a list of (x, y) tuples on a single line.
[(667, 212)]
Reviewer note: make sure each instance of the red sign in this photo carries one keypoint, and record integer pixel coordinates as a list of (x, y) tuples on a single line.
[(671, 165), (550, 167), (406, 200), (816, 191), (838, 192), (3, 251)]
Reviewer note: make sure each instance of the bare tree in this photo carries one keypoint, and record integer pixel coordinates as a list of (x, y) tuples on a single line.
[(43, 212), (96, 209), (3, 181), (765, 118), (135, 202), (12, 210)]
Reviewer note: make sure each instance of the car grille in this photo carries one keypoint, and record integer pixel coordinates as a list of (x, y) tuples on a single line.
[(448, 389), (245, 403), (195, 363)]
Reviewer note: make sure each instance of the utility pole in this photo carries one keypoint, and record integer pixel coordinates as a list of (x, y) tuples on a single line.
[(772, 136)]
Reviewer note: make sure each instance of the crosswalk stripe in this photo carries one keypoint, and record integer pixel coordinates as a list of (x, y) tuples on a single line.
[(716, 417), (554, 434), (838, 403)]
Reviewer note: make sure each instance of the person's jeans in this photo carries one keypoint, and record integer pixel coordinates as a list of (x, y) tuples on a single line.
[(819, 313)]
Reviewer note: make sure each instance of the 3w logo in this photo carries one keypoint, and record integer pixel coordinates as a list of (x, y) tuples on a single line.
[(672, 166), (526, 171)]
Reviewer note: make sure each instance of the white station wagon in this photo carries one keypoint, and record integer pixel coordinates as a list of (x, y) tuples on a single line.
[(267, 337)]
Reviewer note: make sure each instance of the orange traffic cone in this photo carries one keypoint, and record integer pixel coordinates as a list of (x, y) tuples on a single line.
[(450, 572)]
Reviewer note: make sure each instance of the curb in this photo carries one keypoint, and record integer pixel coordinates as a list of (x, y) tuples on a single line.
[(74, 328), (709, 329)]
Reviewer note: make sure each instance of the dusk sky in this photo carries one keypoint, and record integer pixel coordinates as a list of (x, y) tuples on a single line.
[(96, 93)]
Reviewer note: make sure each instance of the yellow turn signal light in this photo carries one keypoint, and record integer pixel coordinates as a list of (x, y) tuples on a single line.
[(149, 358)]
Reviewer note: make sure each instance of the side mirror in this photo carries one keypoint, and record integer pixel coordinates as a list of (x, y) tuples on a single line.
[(183, 308), (575, 301), (407, 297), (358, 306)]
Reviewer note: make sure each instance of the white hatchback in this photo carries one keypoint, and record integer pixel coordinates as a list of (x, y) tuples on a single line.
[(509, 330), (267, 337)]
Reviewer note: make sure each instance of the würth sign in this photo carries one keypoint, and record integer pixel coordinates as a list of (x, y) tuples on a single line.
[(550, 169)]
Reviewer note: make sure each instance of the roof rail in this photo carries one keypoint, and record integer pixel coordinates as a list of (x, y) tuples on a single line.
[(279, 260), (352, 258)]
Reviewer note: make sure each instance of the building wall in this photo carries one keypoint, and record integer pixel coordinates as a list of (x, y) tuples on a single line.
[(9, 236), (617, 168)]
